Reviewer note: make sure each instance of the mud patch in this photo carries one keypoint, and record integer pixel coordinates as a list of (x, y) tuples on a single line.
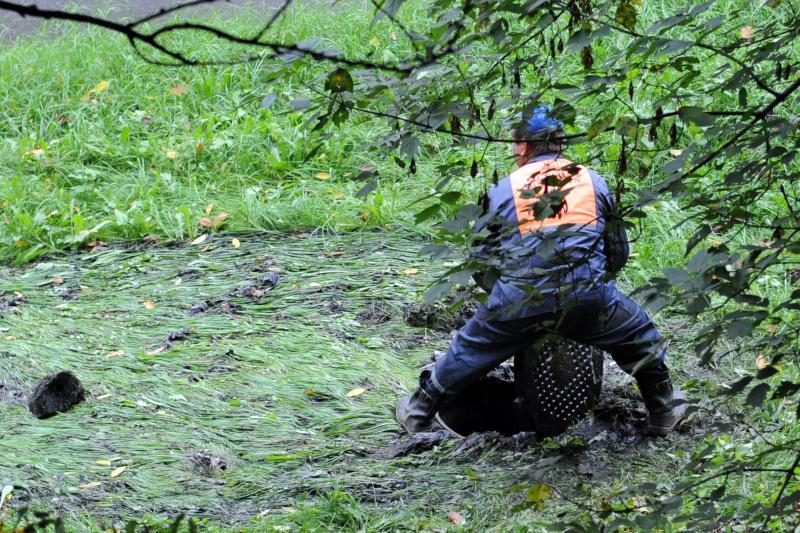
[(10, 302), (259, 288), (214, 306), (173, 336), (207, 464), (439, 316), (13, 391), (411, 444), (377, 312), (56, 393)]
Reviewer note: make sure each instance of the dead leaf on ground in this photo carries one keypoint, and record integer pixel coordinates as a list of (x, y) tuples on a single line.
[(57, 281), (235, 243), (358, 391), (99, 88), (157, 350), (324, 176), (155, 239), (172, 154), (179, 90), (35, 153), (455, 518), (91, 485), (200, 148), (411, 271), (761, 362), (200, 240), (149, 304), (118, 471), (746, 32), (115, 353), (103, 462), (219, 220), (209, 208)]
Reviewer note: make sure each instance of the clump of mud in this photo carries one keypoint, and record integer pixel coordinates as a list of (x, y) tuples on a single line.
[(438, 316), (10, 302), (256, 290), (214, 306), (410, 444), (378, 312), (207, 464), (56, 393)]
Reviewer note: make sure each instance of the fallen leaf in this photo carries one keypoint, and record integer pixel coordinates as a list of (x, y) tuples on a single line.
[(5, 494), (205, 222), (157, 350), (338, 195), (115, 353), (103, 397), (118, 471), (178, 281), (149, 304), (103, 462), (410, 271), (333, 254), (36, 152), (235, 243), (99, 88), (147, 120), (200, 148), (155, 239), (57, 281), (761, 362), (455, 518), (91, 485), (746, 32), (172, 154), (179, 90), (356, 392), (200, 240), (209, 208), (219, 220), (96, 244), (324, 176)]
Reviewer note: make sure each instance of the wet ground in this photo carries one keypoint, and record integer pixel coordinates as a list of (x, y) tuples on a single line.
[(231, 383), (13, 26)]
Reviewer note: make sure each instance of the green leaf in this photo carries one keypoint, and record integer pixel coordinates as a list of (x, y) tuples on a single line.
[(627, 127), (599, 126), (538, 493), (339, 81), (695, 115), (757, 395), (626, 14), (428, 212), (450, 197)]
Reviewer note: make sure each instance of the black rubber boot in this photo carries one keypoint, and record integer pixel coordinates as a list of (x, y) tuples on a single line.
[(666, 406), (416, 412)]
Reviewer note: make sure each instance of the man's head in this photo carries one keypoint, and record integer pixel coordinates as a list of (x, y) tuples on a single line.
[(537, 132)]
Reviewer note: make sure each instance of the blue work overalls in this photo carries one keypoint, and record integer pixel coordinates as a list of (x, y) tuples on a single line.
[(554, 241)]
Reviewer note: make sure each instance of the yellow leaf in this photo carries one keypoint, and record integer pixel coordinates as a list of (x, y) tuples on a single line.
[(235, 243), (115, 353), (200, 240), (91, 485), (103, 462), (179, 90), (149, 304), (99, 88), (324, 176), (157, 350), (118, 471), (746, 32), (172, 154), (338, 195), (761, 362), (375, 41), (410, 271), (209, 208), (356, 392)]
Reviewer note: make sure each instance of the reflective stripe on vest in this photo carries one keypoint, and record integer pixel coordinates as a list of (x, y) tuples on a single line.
[(528, 185)]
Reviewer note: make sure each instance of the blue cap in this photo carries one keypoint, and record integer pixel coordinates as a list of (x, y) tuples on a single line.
[(541, 122)]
